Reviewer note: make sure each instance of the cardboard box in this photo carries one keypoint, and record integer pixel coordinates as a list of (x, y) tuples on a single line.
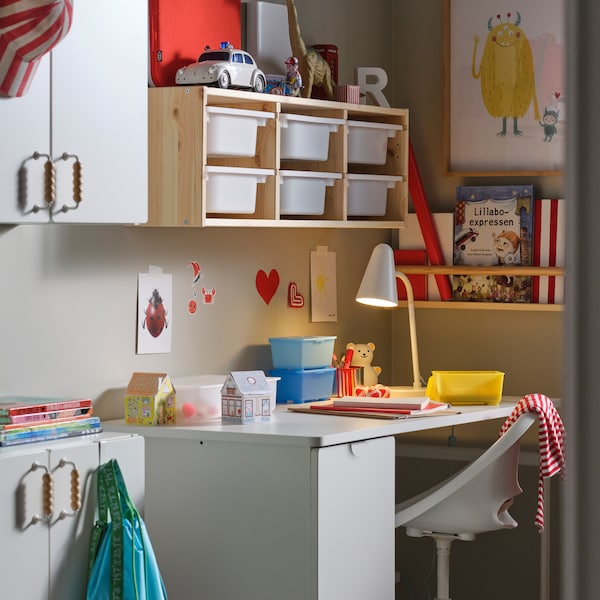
[(150, 400), (246, 397)]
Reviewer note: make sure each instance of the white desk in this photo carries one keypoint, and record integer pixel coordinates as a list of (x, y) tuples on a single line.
[(300, 508)]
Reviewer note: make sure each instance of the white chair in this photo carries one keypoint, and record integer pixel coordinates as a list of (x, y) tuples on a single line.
[(473, 501)]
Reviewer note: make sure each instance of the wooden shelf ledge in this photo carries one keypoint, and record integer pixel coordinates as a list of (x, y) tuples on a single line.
[(476, 270)]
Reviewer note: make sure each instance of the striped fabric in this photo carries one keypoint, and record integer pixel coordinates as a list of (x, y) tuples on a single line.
[(28, 30), (551, 442)]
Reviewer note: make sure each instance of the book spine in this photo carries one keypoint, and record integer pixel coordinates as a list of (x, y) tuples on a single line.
[(42, 433), (42, 429), (45, 407), (50, 436), (549, 249), (50, 416), (69, 421)]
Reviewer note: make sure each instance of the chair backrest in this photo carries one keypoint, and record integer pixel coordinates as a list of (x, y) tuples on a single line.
[(477, 498)]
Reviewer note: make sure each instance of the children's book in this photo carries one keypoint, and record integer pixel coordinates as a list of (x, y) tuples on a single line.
[(328, 408), (54, 422), (50, 435), (399, 403), (493, 226), (11, 406), (52, 432)]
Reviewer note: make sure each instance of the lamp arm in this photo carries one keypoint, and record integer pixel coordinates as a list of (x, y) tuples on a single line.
[(410, 297)]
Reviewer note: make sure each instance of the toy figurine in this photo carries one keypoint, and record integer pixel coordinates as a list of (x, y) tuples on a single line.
[(312, 66), (293, 78)]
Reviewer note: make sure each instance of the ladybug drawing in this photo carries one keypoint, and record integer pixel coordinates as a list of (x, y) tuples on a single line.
[(156, 315)]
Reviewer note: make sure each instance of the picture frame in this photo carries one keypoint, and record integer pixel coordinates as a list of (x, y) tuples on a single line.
[(490, 125)]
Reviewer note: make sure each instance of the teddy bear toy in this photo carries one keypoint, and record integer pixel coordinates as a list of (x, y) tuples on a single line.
[(363, 357)]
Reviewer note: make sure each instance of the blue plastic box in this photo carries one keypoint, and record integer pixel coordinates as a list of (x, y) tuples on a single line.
[(300, 385), (312, 352)]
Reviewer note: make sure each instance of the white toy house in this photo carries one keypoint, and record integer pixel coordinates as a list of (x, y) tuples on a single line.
[(246, 397)]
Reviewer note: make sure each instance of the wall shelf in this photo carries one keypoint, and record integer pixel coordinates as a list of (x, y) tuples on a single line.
[(179, 161), (481, 270)]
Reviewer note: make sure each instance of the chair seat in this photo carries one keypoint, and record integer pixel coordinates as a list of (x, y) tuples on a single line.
[(474, 500)]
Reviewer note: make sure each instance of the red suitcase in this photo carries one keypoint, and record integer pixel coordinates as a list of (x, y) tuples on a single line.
[(180, 29)]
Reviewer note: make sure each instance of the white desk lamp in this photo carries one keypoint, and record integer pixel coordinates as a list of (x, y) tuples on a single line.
[(378, 288)]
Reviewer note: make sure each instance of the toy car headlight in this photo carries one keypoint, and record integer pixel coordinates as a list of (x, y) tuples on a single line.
[(212, 69)]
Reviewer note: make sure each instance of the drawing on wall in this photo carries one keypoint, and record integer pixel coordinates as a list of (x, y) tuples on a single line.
[(323, 285), (155, 293), (504, 101)]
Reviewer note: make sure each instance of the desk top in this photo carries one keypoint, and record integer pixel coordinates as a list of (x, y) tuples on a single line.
[(292, 428)]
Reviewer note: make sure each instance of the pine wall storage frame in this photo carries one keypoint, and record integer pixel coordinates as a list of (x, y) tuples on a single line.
[(89, 99), (48, 559), (178, 158)]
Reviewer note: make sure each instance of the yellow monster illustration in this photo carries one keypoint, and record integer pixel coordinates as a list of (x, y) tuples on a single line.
[(506, 72)]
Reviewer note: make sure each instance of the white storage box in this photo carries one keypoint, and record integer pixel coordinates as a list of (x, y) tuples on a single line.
[(306, 138), (367, 194), (303, 192), (233, 189), (199, 397), (232, 132), (368, 142)]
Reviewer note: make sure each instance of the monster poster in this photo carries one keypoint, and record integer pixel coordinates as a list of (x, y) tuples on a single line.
[(504, 86)]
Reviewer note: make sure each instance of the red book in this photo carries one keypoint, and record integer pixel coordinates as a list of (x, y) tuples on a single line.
[(11, 406)]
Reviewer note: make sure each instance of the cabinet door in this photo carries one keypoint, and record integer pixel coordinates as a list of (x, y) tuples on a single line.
[(70, 536), (355, 520), (100, 111), (24, 123), (24, 545), (88, 99)]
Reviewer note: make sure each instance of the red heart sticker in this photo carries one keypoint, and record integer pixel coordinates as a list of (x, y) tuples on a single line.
[(267, 284)]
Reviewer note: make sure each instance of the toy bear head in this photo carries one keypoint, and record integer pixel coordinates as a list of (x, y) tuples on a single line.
[(363, 354)]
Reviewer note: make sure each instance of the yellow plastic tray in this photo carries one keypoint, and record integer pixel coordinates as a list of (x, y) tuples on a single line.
[(466, 387)]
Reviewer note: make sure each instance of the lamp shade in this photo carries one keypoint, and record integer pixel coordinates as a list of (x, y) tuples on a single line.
[(378, 286)]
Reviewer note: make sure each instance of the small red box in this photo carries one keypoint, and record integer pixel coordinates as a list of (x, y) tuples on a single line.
[(348, 93)]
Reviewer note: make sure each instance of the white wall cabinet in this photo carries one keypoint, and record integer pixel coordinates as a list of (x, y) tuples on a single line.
[(47, 559), (265, 521), (89, 99)]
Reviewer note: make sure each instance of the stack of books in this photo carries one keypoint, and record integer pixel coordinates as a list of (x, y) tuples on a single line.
[(25, 420)]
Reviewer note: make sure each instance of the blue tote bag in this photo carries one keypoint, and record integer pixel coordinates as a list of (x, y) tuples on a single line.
[(122, 564)]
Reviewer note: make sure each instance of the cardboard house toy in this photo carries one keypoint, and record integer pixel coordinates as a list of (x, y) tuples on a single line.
[(150, 400), (246, 397)]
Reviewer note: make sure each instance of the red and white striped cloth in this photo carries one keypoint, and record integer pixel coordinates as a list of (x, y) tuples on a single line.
[(551, 442), (28, 30)]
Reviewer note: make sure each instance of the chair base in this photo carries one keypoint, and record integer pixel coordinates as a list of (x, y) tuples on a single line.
[(443, 542)]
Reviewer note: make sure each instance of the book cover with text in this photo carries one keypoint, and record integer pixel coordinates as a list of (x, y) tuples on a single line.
[(493, 226)]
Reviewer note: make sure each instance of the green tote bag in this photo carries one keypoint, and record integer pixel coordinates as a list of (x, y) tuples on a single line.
[(122, 564)]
